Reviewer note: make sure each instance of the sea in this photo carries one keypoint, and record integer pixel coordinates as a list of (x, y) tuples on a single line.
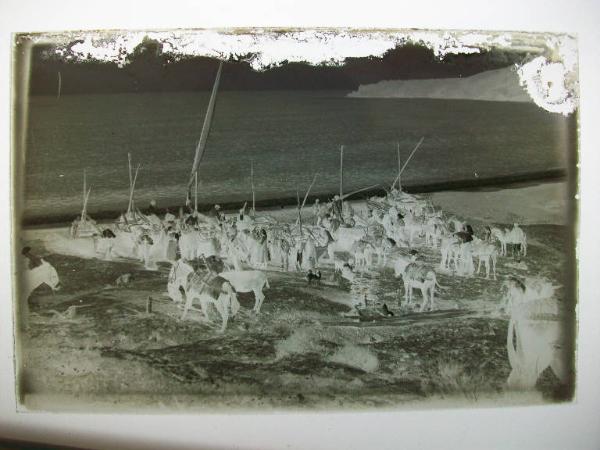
[(284, 137)]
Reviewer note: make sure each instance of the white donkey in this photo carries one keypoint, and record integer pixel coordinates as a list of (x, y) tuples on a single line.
[(416, 276), (487, 255), (31, 279), (193, 244), (207, 293), (434, 231), (249, 281), (45, 273), (217, 292), (413, 228), (178, 280), (515, 236), (450, 252), (344, 240), (383, 247)]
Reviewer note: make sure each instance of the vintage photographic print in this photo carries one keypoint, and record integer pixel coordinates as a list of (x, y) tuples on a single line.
[(327, 219)]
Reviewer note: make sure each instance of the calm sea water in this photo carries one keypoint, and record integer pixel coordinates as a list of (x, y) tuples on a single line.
[(290, 136)]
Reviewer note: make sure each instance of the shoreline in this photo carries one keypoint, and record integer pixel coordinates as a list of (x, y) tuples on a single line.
[(471, 185)]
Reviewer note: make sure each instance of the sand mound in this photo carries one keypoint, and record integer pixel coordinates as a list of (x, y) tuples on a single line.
[(357, 357), (301, 341)]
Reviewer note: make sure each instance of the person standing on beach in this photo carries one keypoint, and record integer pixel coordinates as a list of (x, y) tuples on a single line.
[(317, 212), (487, 234), (337, 208), (348, 212), (299, 248), (173, 244), (147, 243), (152, 208), (217, 213)]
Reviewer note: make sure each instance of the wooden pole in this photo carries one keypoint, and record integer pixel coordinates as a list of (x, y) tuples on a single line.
[(252, 185), (341, 170), (84, 195), (130, 182), (408, 160), (59, 86), (299, 211), (308, 192), (399, 167), (130, 175), (196, 192), (131, 204), (359, 190), (412, 154), (85, 202), (205, 127)]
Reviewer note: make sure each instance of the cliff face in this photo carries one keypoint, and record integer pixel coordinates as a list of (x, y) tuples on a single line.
[(494, 85)]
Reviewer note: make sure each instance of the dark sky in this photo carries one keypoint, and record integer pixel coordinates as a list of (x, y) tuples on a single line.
[(150, 70)]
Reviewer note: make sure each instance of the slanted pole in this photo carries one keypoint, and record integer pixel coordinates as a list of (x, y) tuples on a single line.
[(131, 204), (85, 202), (130, 182), (196, 192), (205, 128), (86, 196), (308, 192), (299, 211), (341, 170), (358, 191), (301, 206), (129, 164), (399, 167), (408, 160), (412, 154)]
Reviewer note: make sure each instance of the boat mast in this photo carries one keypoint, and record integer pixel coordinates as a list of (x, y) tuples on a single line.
[(59, 86), (84, 198), (87, 197), (129, 206), (341, 171), (205, 129), (132, 180), (196, 192), (408, 160), (308, 192), (252, 185), (299, 211), (301, 206), (399, 167), (350, 194)]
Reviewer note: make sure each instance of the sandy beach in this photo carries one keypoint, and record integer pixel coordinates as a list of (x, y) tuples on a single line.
[(305, 348), (543, 203)]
